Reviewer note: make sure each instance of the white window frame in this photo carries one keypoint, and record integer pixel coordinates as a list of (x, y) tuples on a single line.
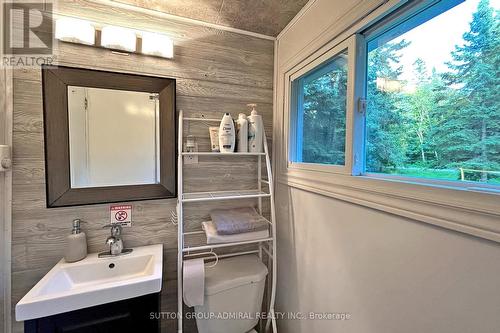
[(461, 206), (379, 31), (292, 109)]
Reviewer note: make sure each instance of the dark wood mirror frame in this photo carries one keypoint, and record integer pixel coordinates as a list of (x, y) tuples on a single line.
[(55, 81)]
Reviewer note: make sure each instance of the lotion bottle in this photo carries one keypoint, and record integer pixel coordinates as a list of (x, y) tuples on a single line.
[(76, 244), (255, 131), (242, 133), (214, 138), (227, 136)]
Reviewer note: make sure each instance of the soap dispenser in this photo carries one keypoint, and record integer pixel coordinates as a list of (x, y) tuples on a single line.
[(255, 131), (76, 244)]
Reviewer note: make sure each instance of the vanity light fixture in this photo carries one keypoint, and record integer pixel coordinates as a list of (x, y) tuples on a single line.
[(118, 38), (122, 40), (157, 45), (75, 31)]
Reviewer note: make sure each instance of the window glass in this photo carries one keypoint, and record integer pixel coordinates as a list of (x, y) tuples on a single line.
[(320, 109), (433, 106)]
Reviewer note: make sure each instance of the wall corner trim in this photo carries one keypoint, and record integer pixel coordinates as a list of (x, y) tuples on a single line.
[(6, 123)]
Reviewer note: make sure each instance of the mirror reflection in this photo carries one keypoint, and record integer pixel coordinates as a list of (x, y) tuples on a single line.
[(113, 137)]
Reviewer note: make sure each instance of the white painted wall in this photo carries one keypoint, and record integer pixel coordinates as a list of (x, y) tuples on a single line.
[(390, 273), (317, 20)]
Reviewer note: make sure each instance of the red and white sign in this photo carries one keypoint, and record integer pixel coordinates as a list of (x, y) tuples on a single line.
[(121, 214)]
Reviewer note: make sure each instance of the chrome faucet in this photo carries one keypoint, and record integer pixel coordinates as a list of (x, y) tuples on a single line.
[(115, 243)]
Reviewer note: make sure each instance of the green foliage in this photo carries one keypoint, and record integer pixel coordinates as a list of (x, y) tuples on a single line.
[(324, 108), (450, 120), (475, 116), (386, 124)]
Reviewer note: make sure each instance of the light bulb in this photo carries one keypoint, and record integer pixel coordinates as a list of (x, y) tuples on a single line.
[(75, 31), (157, 45), (118, 38)]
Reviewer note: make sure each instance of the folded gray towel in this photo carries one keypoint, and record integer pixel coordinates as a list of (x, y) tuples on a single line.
[(237, 220)]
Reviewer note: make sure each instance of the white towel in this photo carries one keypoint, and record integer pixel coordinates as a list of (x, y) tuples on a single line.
[(193, 275)]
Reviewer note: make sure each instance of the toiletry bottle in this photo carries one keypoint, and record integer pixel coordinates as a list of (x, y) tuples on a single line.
[(76, 244), (255, 131), (227, 136), (242, 133), (214, 138), (191, 145)]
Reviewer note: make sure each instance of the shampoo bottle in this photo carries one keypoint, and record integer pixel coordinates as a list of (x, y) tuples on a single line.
[(76, 244), (227, 136), (255, 131), (242, 133)]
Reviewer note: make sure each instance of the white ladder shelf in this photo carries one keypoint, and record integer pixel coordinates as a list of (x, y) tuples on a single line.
[(266, 246)]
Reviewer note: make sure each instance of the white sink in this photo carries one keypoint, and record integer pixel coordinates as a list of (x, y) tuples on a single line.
[(94, 281)]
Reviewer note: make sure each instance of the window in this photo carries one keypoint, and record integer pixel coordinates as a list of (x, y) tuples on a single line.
[(321, 99), (400, 114), (432, 111), (432, 80), (320, 104)]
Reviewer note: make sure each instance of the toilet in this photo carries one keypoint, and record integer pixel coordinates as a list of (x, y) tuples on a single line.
[(234, 289)]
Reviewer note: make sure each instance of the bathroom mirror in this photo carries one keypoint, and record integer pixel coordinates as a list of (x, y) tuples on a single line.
[(113, 137), (109, 137)]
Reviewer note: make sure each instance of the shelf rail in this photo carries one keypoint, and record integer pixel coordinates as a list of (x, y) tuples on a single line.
[(209, 153), (223, 195)]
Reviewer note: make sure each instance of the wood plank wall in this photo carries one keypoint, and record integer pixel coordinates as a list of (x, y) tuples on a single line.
[(216, 72)]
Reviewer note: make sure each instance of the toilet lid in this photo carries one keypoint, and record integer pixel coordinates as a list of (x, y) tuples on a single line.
[(233, 272)]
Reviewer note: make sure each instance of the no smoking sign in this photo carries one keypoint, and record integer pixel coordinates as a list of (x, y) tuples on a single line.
[(121, 214)]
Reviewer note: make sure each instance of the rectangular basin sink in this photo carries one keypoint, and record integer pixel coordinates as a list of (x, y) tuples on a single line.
[(94, 281)]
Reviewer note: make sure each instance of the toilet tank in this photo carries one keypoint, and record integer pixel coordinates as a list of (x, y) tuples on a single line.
[(233, 295)]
